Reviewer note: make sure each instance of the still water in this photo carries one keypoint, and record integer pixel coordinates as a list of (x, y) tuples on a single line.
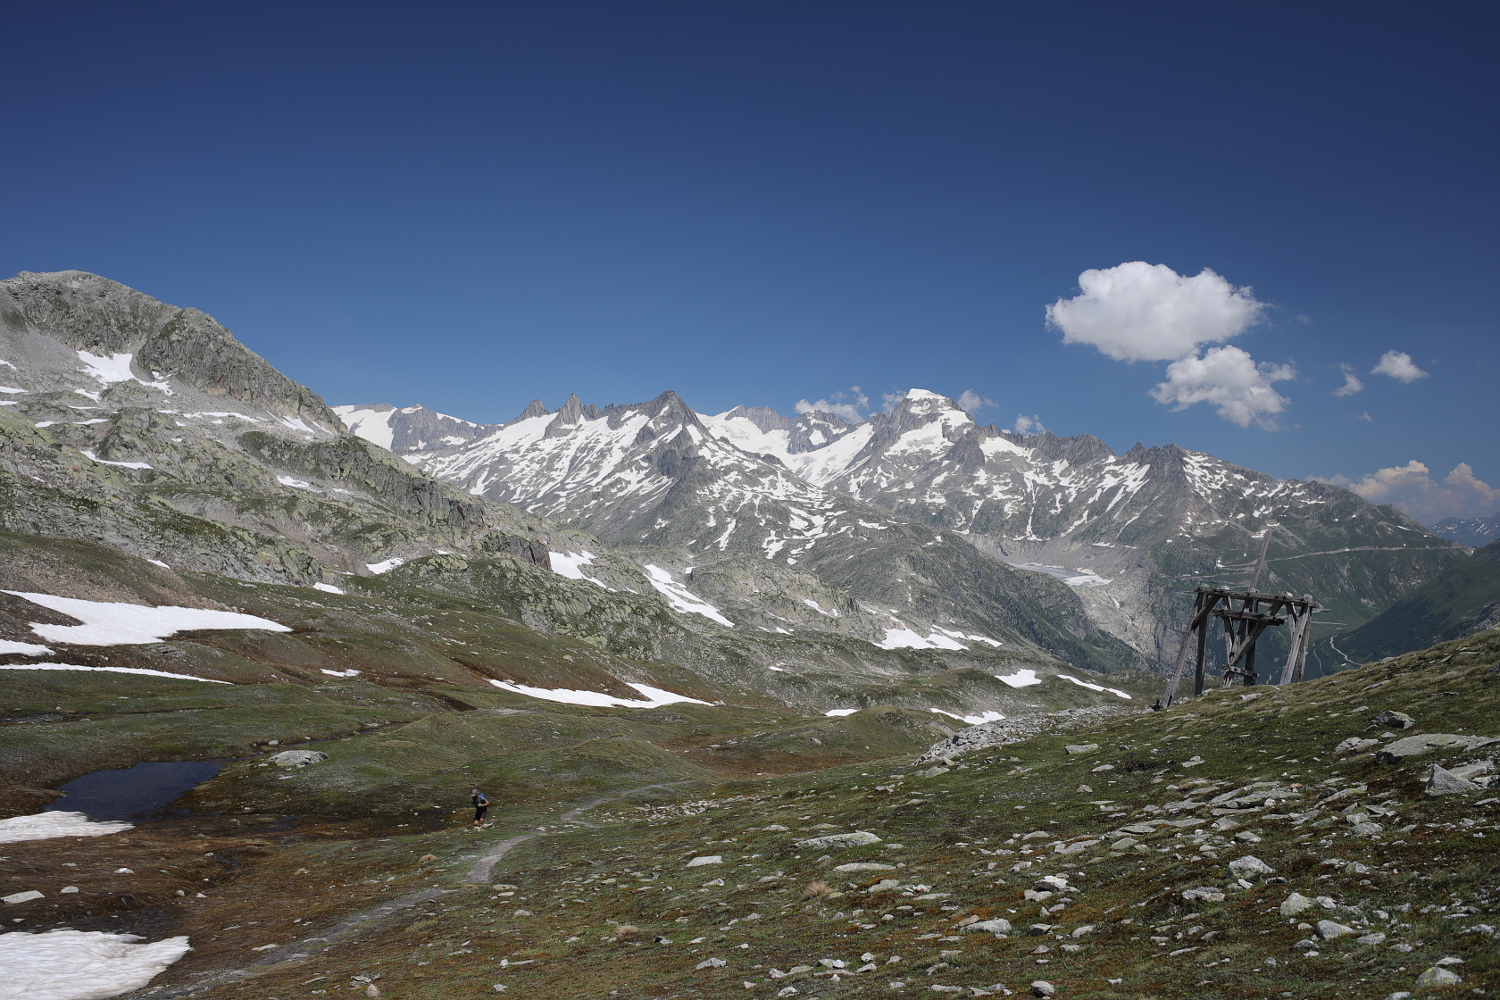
[(131, 792)]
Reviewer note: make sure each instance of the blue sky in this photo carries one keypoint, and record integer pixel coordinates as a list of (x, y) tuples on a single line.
[(470, 206)]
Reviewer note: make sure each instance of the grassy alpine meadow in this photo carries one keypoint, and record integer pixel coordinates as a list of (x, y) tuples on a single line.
[(1263, 842)]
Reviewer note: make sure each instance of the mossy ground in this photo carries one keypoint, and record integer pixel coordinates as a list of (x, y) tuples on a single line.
[(588, 910)]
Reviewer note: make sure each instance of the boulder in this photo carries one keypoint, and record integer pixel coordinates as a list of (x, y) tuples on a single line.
[(707, 859), (1391, 720), (839, 841), (1295, 904), (1354, 744), (1249, 865), (1042, 988), (1441, 781), (298, 758), (1328, 929), (1411, 746), (1081, 747), (997, 926), (1206, 893), (863, 866), (1436, 976)]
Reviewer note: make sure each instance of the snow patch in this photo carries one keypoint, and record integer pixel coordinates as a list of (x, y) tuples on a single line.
[(109, 670), (351, 672), (111, 624), (841, 711), (115, 368), (82, 965), (1094, 687), (300, 484), (158, 562), (905, 638), (973, 720), (1020, 679), (680, 598), (104, 461), (48, 825), (384, 566), (22, 648), (653, 696), (327, 588)]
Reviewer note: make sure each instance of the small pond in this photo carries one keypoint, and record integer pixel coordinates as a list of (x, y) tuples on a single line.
[(133, 792)]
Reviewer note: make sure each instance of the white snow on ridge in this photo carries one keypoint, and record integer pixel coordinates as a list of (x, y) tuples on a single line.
[(116, 368), (654, 696), (372, 425), (1094, 687), (385, 566), (81, 965), (22, 648), (327, 588), (107, 670), (836, 712), (47, 825), (113, 624), (571, 566), (300, 484), (680, 598), (1020, 679), (905, 638), (973, 720), (104, 461)]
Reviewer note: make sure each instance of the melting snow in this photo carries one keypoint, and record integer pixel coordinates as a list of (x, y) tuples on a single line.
[(110, 624), (1094, 687), (47, 825), (1020, 679), (22, 648), (386, 566), (109, 670), (115, 368), (571, 566), (973, 720), (841, 711), (104, 461), (905, 638), (351, 672), (300, 484), (653, 696), (81, 965), (680, 598), (6, 388), (158, 562), (327, 588)]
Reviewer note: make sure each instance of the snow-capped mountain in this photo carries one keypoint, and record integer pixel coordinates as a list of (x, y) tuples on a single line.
[(654, 478), (412, 428), (1122, 531), (1476, 531)]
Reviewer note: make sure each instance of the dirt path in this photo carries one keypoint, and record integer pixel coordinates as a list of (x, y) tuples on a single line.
[(340, 932)]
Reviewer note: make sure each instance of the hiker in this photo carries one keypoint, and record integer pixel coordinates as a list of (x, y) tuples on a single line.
[(481, 805)]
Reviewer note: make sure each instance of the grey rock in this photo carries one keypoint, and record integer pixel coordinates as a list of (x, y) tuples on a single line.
[(1378, 937), (1081, 747), (1441, 781), (997, 926), (1354, 744), (1042, 988), (1249, 865), (1206, 893), (1411, 746), (839, 841), (1328, 929), (1436, 976), (863, 866), (711, 963), (707, 859), (298, 758), (1391, 720), (1295, 904)]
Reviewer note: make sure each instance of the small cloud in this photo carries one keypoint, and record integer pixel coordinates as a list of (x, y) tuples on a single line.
[(1148, 312), (847, 406), (1411, 488), (1229, 379), (1365, 416), (1028, 425), (1398, 365), (890, 400), (1351, 385), (972, 402)]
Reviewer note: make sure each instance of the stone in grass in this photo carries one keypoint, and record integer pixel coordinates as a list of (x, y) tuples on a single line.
[(22, 897), (1413, 745), (1081, 747), (1295, 904), (707, 859), (999, 925), (1436, 976), (1353, 744), (839, 840), (1441, 781), (1206, 893), (1042, 988), (1391, 720), (711, 963), (1249, 865), (298, 758), (864, 866), (1329, 929)]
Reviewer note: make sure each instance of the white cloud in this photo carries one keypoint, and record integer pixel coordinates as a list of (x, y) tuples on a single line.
[(1411, 488), (1027, 425), (972, 402), (1398, 365), (1351, 385), (1365, 416), (847, 406), (1148, 312), (1229, 379)]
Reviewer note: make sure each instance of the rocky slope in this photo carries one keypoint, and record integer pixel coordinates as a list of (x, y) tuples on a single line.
[(1469, 530)]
